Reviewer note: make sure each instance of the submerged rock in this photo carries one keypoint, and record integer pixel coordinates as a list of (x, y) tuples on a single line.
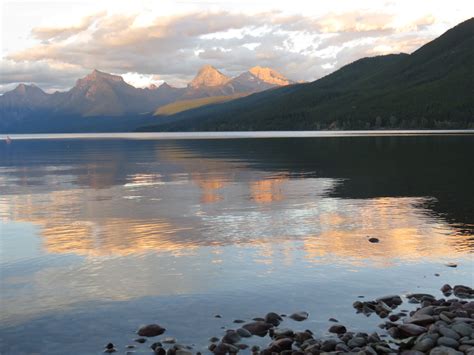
[(299, 316)]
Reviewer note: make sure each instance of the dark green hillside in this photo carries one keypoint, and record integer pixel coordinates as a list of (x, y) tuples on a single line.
[(430, 88)]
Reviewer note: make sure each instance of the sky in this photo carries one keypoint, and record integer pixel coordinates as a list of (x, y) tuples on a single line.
[(53, 43)]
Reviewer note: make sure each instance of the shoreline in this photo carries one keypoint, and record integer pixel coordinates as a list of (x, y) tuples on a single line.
[(239, 134), (436, 327)]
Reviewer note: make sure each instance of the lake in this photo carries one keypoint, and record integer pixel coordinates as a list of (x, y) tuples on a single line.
[(103, 233)]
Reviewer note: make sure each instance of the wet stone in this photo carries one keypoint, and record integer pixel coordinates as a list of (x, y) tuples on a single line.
[(299, 316), (337, 329), (449, 342), (449, 333), (151, 330)]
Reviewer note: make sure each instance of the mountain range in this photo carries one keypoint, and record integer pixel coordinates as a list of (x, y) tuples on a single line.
[(432, 87), (101, 94)]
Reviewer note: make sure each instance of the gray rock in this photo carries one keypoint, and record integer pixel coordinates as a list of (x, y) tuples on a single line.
[(357, 342), (449, 333), (244, 333), (449, 342), (299, 316), (342, 347), (168, 340), (183, 352), (231, 337), (443, 350), (328, 345), (139, 340), (214, 339), (425, 344), (462, 328), (150, 330), (412, 352), (273, 318)]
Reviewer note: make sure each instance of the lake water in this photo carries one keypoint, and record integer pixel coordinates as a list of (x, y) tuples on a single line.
[(99, 236)]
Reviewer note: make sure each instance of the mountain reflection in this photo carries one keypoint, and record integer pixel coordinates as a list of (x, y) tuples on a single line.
[(126, 197)]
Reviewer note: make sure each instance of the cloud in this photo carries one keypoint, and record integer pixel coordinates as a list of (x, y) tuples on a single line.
[(174, 47), (63, 33)]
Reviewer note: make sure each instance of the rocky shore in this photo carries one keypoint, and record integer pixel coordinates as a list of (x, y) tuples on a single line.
[(442, 326)]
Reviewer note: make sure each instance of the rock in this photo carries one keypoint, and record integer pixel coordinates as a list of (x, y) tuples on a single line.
[(156, 345), (183, 352), (462, 328), (217, 316), (214, 339), (394, 318), (446, 288), (449, 342), (224, 348), (421, 319), (299, 316), (159, 351), (109, 351), (328, 345), (258, 328), (373, 240), (283, 343), (283, 332), (255, 348), (342, 347), (239, 321), (452, 265), (424, 345), (169, 340), (412, 352), (242, 346), (212, 347), (357, 342), (244, 333), (411, 329), (333, 320), (381, 349), (273, 318), (301, 337), (443, 350), (449, 333), (151, 330), (139, 340), (231, 337), (337, 329)]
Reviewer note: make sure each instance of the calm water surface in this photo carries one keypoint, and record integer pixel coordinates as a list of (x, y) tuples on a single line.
[(99, 236)]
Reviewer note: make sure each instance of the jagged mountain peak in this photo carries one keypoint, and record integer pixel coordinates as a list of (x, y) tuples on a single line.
[(99, 75), (269, 75), (24, 89), (208, 76)]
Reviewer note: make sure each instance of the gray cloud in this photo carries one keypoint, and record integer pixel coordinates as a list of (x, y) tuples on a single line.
[(300, 47)]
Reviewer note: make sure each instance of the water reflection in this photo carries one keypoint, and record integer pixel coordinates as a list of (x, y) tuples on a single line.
[(124, 219)]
